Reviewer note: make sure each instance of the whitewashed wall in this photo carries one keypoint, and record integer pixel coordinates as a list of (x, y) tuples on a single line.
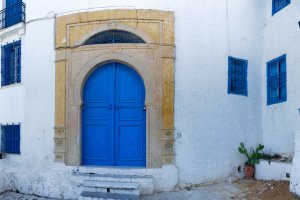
[(282, 36), (210, 124)]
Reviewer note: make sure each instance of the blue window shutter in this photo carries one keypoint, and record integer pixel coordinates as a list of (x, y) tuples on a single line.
[(3, 67), (276, 80), (18, 53), (237, 76), (3, 141), (278, 5), (11, 63), (10, 139), (7, 64), (13, 12), (282, 79), (230, 76)]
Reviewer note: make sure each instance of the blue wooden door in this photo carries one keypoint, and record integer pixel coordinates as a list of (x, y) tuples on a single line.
[(13, 12), (113, 117)]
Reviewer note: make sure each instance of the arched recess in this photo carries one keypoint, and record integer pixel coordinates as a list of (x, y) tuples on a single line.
[(153, 124), (115, 26)]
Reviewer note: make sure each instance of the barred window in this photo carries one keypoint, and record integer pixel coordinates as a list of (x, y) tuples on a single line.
[(279, 5), (237, 76), (11, 63), (114, 36), (10, 139), (276, 80)]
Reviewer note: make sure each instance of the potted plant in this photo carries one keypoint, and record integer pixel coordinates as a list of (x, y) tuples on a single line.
[(253, 157)]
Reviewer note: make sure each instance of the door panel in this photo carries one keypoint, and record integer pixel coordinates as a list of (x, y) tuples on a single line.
[(97, 118), (130, 141), (130, 118), (96, 136)]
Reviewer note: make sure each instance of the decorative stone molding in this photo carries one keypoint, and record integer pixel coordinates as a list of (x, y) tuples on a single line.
[(60, 144), (153, 60)]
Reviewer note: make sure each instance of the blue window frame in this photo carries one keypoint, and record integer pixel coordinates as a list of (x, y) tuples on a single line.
[(237, 76), (278, 5), (276, 80), (11, 63), (10, 139)]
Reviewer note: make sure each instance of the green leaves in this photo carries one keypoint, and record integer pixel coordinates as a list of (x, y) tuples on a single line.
[(241, 150), (254, 156)]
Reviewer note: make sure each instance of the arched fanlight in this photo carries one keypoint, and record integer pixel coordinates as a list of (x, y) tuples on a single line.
[(112, 37)]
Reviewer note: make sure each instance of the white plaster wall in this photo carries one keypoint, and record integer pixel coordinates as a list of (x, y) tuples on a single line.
[(295, 171), (210, 124), (12, 104), (282, 36), (273, 170)]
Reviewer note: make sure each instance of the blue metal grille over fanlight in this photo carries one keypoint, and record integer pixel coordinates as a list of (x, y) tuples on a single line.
[(114, 36)]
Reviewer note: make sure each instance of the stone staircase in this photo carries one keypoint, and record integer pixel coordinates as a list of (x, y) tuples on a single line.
[(114, 186)]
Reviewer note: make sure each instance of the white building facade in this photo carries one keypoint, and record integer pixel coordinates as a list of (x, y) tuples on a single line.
[(193, 117)]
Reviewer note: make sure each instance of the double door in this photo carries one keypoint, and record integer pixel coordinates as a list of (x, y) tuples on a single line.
[(113, 117)]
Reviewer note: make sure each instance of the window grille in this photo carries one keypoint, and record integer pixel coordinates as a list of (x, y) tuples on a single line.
[(10, 139), (11, 63), (237, 76), (276, 80), (279, 5), (114, 36)]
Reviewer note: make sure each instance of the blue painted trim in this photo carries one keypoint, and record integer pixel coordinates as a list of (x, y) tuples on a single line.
[(14, 13), (277, 9), (11, 74), (10, 139), (233, 77), (270, 100)]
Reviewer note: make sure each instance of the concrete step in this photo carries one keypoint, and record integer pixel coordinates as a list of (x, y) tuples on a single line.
[(111, 187), (106, 196), (145, 182)]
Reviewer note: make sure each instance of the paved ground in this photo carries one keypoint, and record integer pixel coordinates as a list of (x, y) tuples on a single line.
[(221, 191), (242, 190), (18, 196), (212, 192)]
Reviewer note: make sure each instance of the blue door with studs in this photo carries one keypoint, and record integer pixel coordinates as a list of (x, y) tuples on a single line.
[(113, 117)]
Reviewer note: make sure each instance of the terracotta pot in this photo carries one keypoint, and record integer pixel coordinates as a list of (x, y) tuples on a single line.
[(249, 171)]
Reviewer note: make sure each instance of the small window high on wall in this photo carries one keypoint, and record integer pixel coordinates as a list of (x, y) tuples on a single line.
[(276, 80), (278, 5), (11, 63), (237, 76), (10, 139)]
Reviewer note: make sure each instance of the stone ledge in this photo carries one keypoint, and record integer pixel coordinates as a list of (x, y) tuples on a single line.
[(277, 171), (17, 29)]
